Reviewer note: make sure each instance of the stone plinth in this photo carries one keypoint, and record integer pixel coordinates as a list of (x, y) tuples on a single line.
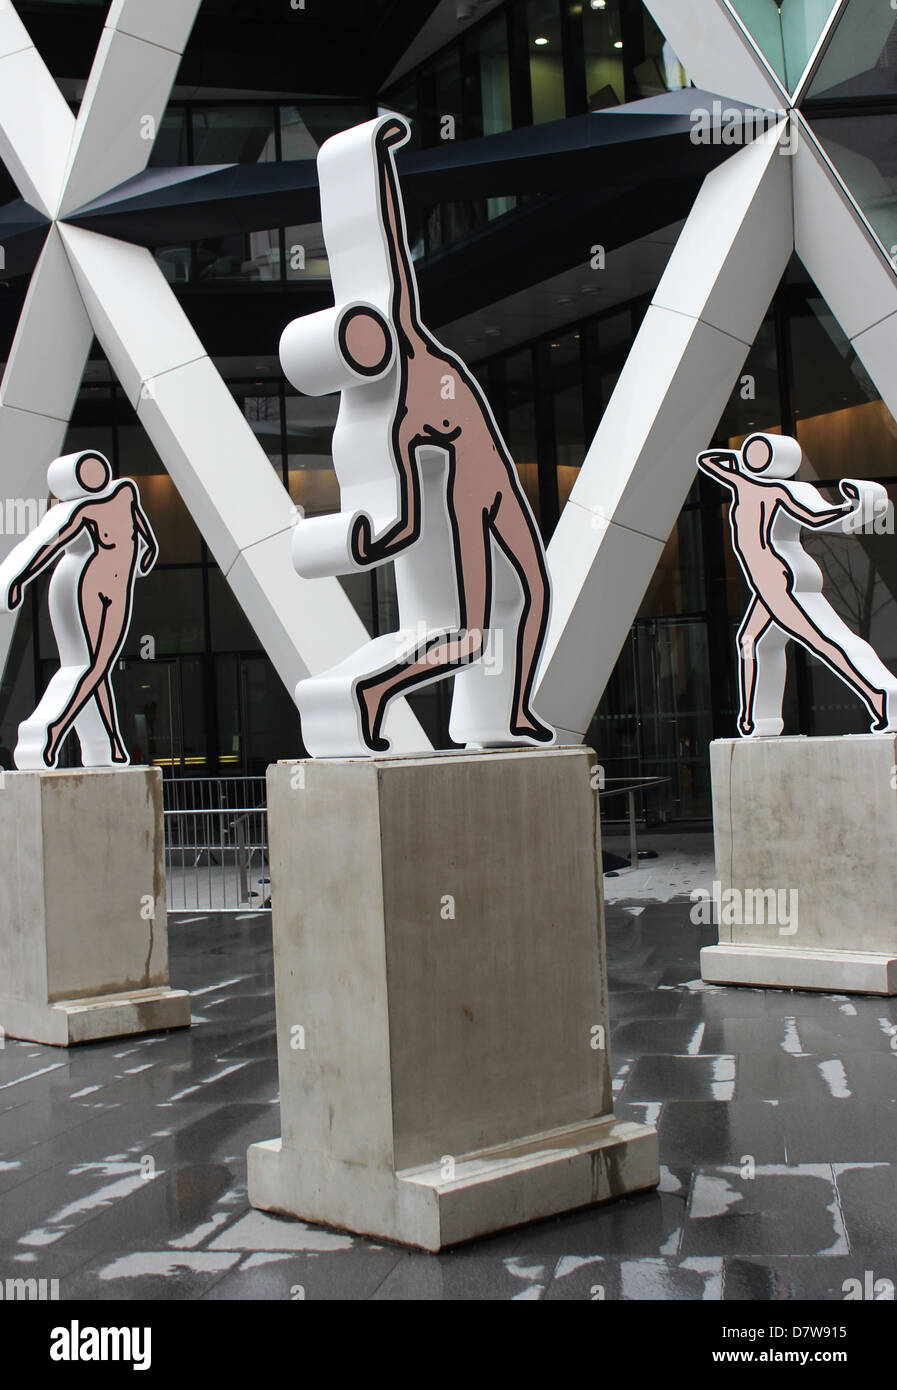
[(441, 997), (814, 822), (83, 927)]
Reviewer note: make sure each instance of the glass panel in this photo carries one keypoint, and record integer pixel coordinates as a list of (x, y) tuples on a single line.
[(441, 99), (270, 719), (176, 531), (487, 56), (312, 481), (861, 58), (175, 263), (862, 150), (546, 62), (304, 130), (786, 33), (231, 630), (762, 20), (565, 380), (170, 146), (842, 423), (147, 697), (519, 421), (661, 70), (234, 134), (754, 403), (238, 257), (678, 582), (306, 252), (604, 55), (168, 608), (260, 404)]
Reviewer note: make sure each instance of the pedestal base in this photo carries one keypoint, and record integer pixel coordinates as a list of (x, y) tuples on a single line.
[(805, 834), (441, 997), (497, 1188), (83, 927), (835, 972), (71, 1021)]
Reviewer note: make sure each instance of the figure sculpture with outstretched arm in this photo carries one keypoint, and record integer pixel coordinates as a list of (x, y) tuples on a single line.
[(99, 539), (766, 515), (420, 461)]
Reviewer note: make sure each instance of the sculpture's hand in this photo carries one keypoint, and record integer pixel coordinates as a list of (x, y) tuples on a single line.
[(869, 501), (14, 596), (327, 545), (148, 559)]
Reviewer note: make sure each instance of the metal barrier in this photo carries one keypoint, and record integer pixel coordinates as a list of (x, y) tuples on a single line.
[(216, 843)]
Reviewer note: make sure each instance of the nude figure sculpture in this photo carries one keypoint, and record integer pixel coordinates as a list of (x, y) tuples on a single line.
[(766, 516), (426, 481), (99, 539)]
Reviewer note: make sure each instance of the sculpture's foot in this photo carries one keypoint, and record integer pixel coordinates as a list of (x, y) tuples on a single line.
[(370, 714), (334, 717), (886, 723), (530, 730)]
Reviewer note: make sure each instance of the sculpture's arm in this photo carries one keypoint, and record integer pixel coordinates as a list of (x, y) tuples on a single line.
[(866, 502), (147, 535), (36, 552), (812, 510), (722, 466)]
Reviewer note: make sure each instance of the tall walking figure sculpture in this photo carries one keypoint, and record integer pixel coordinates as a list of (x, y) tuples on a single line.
[(766, 515), (425, 479), (99, 539)]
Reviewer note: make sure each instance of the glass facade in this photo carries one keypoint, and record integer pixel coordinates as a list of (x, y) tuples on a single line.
[(197, 693)]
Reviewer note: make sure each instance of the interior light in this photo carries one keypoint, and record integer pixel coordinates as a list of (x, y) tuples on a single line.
[(598, 4), (541, 42), (619, 43)]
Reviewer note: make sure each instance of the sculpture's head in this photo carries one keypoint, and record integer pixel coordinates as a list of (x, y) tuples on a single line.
[(352, 345), (771, 456), (81, 475)]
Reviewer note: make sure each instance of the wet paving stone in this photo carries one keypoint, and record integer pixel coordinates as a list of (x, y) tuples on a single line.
[(123, 1163)]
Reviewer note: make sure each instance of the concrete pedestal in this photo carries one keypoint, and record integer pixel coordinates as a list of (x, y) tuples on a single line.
[(805, 832), (83, 927), (441, 997)]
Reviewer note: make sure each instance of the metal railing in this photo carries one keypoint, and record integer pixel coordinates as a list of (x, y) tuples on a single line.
[(216, 843)]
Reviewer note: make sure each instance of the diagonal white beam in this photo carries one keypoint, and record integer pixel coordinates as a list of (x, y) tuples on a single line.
[(845, 260), (706, 312), (126, 95), (39, 388), (223, 475), (717, 51), (36, 125)]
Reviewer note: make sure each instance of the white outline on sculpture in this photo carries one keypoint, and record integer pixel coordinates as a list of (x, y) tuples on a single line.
[(98, 539), (766, 515), (426, 481)]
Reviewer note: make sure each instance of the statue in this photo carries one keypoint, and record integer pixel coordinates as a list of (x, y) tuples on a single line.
[(426, 481), (766, 516), (99, 539)]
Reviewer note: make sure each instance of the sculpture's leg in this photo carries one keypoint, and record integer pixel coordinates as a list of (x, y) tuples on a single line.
[(762, 674), (818, 627)]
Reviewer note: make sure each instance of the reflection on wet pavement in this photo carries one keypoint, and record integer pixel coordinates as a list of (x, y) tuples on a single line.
[(123, 1164)]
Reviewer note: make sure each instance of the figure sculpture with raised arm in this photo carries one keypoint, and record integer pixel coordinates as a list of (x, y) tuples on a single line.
[(425, 479), (767, 512), (99, 539)]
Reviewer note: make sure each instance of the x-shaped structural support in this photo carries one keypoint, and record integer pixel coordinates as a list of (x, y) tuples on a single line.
[(751, 214), (86, 284)]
